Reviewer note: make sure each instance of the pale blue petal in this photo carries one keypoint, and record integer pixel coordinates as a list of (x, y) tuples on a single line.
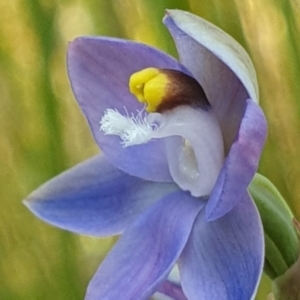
[(240, 164), (146, 252), (223, 259), (95, 198), (216, 61)]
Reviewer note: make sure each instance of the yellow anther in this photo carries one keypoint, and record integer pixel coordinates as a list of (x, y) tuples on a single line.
[(165, 89), (149, 86)]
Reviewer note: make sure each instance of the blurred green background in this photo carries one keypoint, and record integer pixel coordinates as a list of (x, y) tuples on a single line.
[(43, 132)]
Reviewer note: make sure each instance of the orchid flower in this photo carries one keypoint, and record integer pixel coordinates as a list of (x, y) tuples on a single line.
[(180, 143)]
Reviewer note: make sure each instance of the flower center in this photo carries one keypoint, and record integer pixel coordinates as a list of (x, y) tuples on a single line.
[(180, 114)]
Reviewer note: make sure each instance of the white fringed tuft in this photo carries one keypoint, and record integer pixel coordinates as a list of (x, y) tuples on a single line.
[(133, 130)]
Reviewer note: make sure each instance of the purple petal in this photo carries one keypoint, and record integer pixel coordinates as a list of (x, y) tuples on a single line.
[(219, 63), (99, 71), (223, 259), (240, 164), (94, 198), (146, 251)]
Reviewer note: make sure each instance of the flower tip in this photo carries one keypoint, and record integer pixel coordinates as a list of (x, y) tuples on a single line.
[(175, 13), (214, 213), (74, 43), (26, 203), (38, 207), (29, 203), (170, 13), (71, 49), (78, 45), (210, 217), (166, 16)]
